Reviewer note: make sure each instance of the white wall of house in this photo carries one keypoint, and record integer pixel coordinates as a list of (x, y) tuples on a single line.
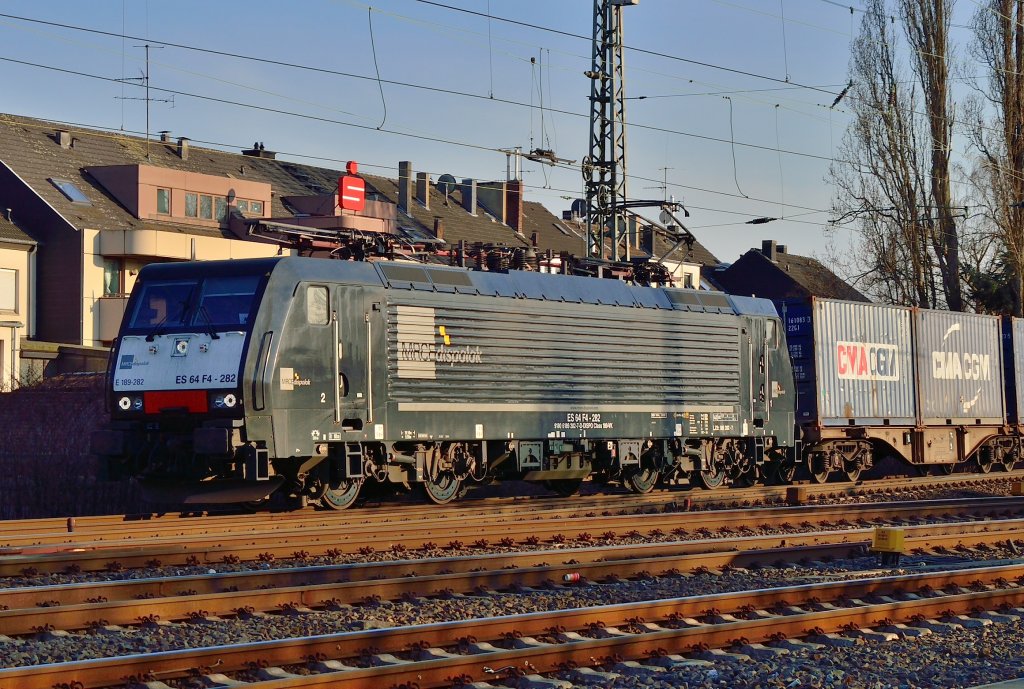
[(15, 268), (103, 301)]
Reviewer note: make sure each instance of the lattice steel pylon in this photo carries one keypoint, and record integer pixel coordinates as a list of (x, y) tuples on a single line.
[(604, 169)]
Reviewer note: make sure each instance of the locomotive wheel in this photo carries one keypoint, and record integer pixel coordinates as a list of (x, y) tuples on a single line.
[(985, 466), (642, 481), (852, 474), (341, 495), (711, 478), (564, 487), (443, 489), (1009, 463), (784, 472)]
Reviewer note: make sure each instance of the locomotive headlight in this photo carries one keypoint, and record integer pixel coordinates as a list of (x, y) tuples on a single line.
[(125, 403), (230, 400)]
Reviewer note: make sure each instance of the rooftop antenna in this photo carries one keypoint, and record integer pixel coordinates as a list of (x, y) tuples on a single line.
[(145, 82)]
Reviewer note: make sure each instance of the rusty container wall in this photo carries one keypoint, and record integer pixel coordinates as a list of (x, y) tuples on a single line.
[(959, 357), (853, 362)]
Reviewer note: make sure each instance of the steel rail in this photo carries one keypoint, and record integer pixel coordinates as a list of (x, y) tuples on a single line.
[(541, 656), (15, 533), (338, 539), (81, 606)]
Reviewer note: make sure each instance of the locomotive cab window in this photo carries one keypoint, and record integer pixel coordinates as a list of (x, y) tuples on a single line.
[(317, 312), (226, 301), (163, 304)]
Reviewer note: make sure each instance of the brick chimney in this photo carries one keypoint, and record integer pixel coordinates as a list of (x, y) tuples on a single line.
[(514, 205), (404, 186), (468, 189), (423, 189), (63, 138), (770, 249), (183, 148), (439, 228)]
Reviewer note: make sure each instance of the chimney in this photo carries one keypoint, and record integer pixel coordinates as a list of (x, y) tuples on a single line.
[(258, 150), (183, 148), (64, 138), (404, 186), (439, 228), (769, 249), (647, 240), (468, 188), (9, 214), (165, 136), (423, 189), (780, 249), (533, 239), (514, 205)]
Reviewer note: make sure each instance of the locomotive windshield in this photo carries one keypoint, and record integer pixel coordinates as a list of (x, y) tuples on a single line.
[(212, 302)]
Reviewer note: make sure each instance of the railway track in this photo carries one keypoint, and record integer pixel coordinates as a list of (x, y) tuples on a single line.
[(90, 605), (651, 631), (339, 539), (16, 534)]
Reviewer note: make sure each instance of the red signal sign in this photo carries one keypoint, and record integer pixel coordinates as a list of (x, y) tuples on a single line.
[(351, 193)]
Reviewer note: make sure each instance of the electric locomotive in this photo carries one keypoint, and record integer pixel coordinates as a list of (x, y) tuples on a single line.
[(312, 378)]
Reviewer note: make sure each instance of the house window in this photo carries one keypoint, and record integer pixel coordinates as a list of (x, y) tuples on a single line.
[(206, 207), (73, 193), (163, 201), (242, 205), (8, 290), (220, 208), (191, 205), (256, 207), (688, 280), (112, 277)]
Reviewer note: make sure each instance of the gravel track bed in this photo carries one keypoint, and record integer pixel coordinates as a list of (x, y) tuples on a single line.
[(173, 636), (964, 658)]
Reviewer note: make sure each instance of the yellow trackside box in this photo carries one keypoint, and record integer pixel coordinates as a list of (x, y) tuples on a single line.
[(887, 540)]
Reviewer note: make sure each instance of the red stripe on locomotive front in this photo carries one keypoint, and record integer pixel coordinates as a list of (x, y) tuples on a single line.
[(192, 401)]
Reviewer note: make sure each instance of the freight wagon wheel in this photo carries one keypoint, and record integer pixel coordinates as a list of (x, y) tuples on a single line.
[(341, 495), (985, 465), (817, 466), (852, 474), (565, 487), (442, 489), (1008, 462), (641, 481)]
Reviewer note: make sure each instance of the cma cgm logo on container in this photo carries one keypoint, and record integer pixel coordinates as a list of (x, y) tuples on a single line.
[(960, 365), (867, 361)]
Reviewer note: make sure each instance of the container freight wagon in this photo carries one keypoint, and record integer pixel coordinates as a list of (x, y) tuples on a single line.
[(876, 379)]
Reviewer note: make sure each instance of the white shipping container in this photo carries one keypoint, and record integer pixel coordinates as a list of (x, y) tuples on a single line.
[(959, 359)]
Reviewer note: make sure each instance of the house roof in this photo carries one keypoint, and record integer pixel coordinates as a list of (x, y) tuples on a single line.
[(29, 146), (10, 232), (749, 275)]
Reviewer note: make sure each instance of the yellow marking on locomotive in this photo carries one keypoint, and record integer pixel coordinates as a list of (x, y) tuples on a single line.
[(447, 339)]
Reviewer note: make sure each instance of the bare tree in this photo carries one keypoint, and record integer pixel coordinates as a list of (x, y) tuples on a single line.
[(995, 129), (893, 183), (881, 186), (927, 29)]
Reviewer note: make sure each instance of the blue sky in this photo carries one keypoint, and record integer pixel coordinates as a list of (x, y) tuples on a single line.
[(683, 124)]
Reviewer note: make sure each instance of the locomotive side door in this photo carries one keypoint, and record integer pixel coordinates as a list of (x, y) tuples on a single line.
[(352, 334), (762, 334)]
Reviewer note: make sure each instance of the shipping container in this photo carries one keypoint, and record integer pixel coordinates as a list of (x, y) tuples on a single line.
[(1013, 367), (959, 357), (852, 362)]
